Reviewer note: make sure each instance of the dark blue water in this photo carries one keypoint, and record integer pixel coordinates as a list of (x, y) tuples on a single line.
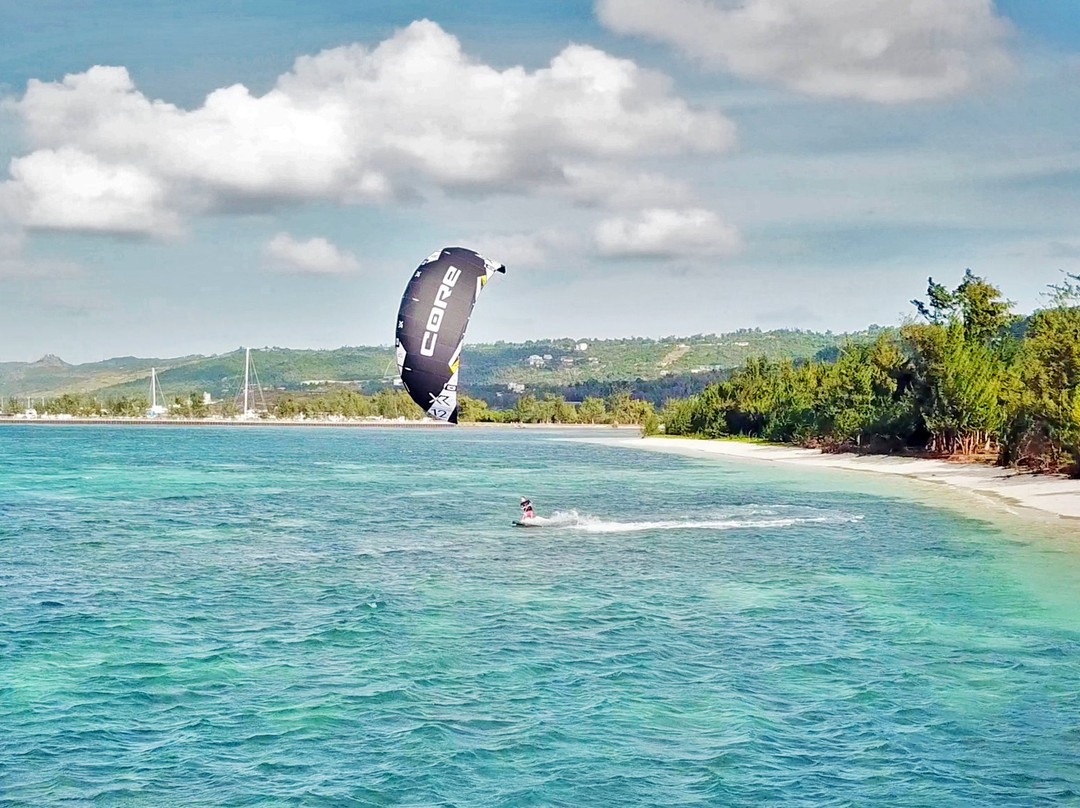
[(346, 617)]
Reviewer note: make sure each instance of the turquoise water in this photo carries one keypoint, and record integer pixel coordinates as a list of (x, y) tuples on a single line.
[(324, 617)]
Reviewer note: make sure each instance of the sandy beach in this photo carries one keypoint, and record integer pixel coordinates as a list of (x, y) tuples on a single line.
[(1047, 494), (1050, 494)]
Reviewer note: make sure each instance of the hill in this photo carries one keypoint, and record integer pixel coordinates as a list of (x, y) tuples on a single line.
[(543, 365), (50, 375)]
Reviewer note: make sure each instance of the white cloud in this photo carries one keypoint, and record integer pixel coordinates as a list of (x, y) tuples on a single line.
[(614, 187), (520, 249), (70, 189), (316, 256), (349, 124), (876, 50), (667, 233)]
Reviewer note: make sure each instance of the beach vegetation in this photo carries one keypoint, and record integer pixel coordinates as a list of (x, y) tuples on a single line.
[(592, 410), (966, 379)]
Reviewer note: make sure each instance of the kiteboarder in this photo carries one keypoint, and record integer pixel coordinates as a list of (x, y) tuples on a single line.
[(526, 509)]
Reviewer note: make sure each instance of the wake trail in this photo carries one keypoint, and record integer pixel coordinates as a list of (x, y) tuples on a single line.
[(572, 520)]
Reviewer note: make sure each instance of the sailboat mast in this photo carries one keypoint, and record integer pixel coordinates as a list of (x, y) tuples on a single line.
[(247, 366)]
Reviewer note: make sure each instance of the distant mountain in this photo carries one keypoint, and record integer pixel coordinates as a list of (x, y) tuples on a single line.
[(49, 361), (556, 364), (50, 375)]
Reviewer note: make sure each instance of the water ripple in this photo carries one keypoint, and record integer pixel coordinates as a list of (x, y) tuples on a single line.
[(261, 617)]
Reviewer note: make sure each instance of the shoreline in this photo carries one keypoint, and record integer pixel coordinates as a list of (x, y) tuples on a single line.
[(165, 422), (1045, 495), (1049, 495), (312, 422)]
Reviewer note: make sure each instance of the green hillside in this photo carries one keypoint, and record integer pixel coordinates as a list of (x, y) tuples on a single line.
[(51, 376), (539, 364), (277, 368), (562, 362)]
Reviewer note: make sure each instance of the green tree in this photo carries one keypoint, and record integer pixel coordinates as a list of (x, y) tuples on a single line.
[(862, 400), (976, 303), (474, 409), (393, 403), (1050, 378), (961, 359), (288, 408), (646, 418), (965, 413), (197, 406), (127, 406), (677, 416), (1066, 294), (620, 408), (592, 411), (526, 410), (557, 410)]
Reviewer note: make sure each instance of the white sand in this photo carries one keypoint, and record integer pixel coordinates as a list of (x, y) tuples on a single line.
[(1052, 494)]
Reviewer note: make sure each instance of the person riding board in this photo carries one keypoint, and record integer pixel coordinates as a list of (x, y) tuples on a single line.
[(526, 509)]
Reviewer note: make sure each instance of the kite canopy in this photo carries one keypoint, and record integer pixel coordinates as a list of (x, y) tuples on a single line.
[(435, 310)]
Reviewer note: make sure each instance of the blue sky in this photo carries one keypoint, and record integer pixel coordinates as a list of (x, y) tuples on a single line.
[(175, 181)]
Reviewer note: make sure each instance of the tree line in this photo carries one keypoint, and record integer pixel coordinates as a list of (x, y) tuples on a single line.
[(81, 405), (658, 390), (617, 408), (966, 378)]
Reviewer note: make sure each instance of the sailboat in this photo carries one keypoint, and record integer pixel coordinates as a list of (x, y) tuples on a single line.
[(249, 411), (155, 408)]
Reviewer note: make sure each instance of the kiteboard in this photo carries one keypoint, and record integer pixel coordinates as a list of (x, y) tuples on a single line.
[(526, 524)]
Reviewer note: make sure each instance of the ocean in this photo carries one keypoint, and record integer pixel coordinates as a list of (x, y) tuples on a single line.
[(346, 617)]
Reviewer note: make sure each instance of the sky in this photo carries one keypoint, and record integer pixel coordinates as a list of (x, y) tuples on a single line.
[(188, 178)]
